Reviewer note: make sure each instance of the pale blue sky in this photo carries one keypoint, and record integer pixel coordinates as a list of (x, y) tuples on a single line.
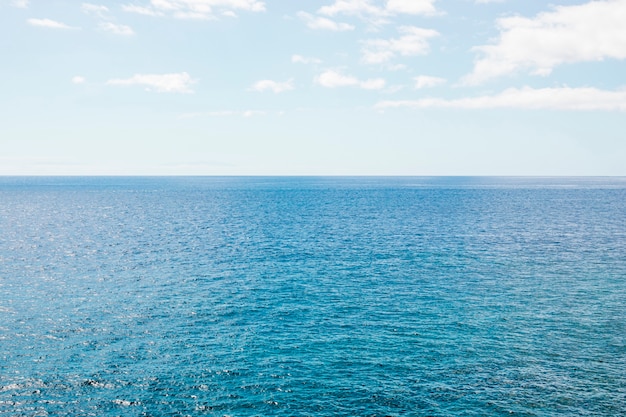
[(334, 87)]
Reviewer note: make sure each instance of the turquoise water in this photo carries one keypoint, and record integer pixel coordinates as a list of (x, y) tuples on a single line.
[(312, 296)]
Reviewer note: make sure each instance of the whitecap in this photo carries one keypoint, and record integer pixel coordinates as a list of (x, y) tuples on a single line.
[(10, 387), (125, 403)]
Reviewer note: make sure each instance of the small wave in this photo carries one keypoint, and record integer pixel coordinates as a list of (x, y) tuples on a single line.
[(97, 384), (125, 403)]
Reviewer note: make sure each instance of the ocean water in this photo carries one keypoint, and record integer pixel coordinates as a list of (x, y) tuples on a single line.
[(312, 296)]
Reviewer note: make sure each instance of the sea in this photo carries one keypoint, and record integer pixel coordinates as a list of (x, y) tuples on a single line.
[(312, 296)]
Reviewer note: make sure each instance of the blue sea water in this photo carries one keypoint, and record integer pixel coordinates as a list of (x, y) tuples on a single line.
[(312, 296)]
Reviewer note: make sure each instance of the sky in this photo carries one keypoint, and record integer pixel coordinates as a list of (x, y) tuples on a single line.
[(330, 87)]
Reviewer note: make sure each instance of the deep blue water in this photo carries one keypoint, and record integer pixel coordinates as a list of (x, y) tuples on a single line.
[(312, 296)]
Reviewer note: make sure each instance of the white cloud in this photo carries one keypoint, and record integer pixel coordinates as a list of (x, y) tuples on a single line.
[(562, 98), (351, 7), (421, 7), (588, 32), (363, 9), (96, 9), (299, 59), (195, 9), (78, 80), (116, 29), (161, 83), (333, 79), (269, 85), (322, 23), (489, 1), (48, 23), (105, 21), (425, 81), (413, 41), (368, 8), (146, 11), (22, 4)]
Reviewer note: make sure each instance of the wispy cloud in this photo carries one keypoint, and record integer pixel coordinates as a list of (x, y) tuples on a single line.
[(412, 41), (416, 7), (372, 12), (299, 59), (146, 11), (161, 83), (194, 9), (323, 23), (106, 24), (333, 79), (22, 4), (369, 10), (116, 29), (562, 98), (351, 7), (94, 9), (587, 32), (48, 23), (78, 80), (274, 86), (425, 81)]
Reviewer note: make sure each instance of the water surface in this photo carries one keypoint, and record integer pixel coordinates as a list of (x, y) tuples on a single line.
[(304, 296)]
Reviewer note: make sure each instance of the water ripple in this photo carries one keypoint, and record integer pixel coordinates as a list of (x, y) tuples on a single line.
[(305, 296)]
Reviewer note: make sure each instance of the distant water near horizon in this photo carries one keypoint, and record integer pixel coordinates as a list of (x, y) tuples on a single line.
[(312, 296)]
